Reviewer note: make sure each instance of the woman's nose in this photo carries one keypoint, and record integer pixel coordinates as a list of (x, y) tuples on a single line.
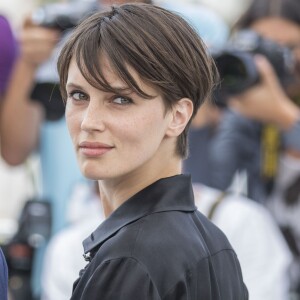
[(93, 118)]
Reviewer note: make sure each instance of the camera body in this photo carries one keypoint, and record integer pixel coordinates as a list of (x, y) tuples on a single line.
[(236, 64), (35, 223), (33, 232), (64, 16)]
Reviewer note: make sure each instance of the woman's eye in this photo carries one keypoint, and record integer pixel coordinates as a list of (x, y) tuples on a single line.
[(77, 96), (122, 100)]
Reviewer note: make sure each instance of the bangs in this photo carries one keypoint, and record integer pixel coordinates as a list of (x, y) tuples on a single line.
[(101, 42)]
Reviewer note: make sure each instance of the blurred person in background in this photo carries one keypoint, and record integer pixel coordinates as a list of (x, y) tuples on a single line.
[(260, 132), (285, 113), (15, 186), (25, 129), (8, 54)]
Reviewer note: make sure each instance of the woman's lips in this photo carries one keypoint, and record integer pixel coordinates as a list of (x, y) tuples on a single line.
[(94, 149)]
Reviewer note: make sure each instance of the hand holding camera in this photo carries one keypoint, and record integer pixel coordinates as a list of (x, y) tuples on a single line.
[(266, 101), (255, 73), (37, 43), (64, 16)]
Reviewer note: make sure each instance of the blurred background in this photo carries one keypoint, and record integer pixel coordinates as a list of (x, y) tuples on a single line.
[(229, 9)]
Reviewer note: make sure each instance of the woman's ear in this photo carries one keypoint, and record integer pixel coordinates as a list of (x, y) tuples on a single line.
[(180, 116)]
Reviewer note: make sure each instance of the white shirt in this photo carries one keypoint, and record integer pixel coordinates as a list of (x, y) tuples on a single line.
[(287, 215)]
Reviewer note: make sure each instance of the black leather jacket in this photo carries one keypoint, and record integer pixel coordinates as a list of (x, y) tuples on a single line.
[(158, 246)]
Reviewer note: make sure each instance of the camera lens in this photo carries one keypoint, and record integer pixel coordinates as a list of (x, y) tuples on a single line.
[(233, 71), (237, 71)]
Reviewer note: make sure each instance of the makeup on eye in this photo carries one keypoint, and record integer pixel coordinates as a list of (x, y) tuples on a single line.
[(121, 100), (75, 92), (77, 96), (115, 99)]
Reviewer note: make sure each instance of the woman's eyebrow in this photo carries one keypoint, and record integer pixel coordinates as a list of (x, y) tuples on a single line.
[(125, 90), (73, 85)]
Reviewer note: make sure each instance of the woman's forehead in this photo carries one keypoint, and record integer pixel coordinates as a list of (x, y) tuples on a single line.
[(112, 77)]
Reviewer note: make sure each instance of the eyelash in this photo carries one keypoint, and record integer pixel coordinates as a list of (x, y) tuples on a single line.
[(127, 100), (72, 93)]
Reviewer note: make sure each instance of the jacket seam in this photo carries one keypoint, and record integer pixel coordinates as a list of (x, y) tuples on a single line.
[(189, 269)]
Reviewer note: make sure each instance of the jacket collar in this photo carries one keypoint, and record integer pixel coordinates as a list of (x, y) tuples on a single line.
[(168, 194)]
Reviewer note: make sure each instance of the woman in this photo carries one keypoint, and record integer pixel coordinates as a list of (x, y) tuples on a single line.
[(133, 77)]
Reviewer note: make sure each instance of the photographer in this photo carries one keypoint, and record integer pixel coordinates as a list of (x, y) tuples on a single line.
[(260, 131)]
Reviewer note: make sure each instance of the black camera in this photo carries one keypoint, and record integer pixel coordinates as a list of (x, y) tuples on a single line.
[(34, 229), (64, 16), (237, 68), (35, 223)]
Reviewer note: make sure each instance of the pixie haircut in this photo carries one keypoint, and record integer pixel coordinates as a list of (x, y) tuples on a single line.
[(159, 45)]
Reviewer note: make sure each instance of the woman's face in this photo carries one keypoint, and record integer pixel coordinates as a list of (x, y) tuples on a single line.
[(115, 135)]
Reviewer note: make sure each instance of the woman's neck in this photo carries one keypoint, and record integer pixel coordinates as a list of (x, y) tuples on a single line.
[(114, 192)]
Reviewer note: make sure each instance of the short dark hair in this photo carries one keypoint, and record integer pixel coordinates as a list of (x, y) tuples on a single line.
[(159, 45), (258, 9)]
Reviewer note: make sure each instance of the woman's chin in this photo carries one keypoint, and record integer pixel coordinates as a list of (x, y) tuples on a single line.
[(92, 173)]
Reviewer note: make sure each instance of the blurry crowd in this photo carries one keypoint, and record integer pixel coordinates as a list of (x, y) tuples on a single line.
[(244, 146)]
